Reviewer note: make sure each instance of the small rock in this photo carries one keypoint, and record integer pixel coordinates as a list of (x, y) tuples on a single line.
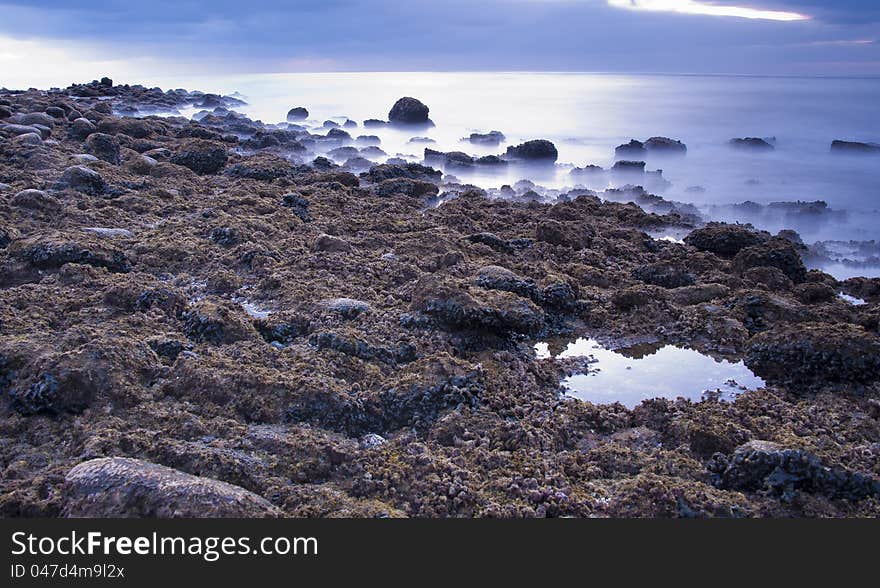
[(82, 179), (326, 242)]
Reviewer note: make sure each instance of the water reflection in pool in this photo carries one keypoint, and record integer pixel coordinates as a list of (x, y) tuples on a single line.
[(634, 374)]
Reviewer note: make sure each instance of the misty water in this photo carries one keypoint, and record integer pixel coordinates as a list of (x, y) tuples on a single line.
[(587, 115), (631, 375)]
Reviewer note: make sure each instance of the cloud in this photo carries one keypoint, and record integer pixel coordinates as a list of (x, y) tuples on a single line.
[(388, 35), (707, 9)]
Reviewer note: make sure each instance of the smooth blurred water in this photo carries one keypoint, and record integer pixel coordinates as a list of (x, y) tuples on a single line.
[(587, 115)]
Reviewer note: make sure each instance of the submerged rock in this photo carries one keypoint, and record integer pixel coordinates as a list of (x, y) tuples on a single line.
[(854, 147), (752, 144), (536, 150), (126, 487)]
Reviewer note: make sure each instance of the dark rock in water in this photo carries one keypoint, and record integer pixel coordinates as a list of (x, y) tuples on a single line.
[(588, 170), (777, 253), (104, 147), (724, 239), (107, 82), (450, 159), (368, 140), (664, 274), (413, 171), (575, 235), (298, 205), (807, 356), (297, 114), (854, 147), (752, 144), (537, 150), (497, 312), (201, 156), (665, 145), (637, 167), (408, 111), (407, 187), (330, 243), (331, 124), (374, 122), (218, 324), (125, 487), (762, 465), (421, 140), (338, 134), (633, 149), (492, 138), (82, 179), (490, 160)]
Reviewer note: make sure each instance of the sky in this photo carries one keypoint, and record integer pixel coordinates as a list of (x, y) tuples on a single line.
[(61, 41)]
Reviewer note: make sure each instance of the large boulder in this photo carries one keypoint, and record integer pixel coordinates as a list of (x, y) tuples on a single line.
[(201, 156), (537, 150), (126, 487), (810, 355), (105, 147), (777, 253), (409, 111), (723, 239)]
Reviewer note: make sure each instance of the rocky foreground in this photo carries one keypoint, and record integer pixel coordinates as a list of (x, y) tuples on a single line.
[(204, 319)]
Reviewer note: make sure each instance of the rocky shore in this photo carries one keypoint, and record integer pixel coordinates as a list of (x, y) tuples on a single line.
[(213, 316)]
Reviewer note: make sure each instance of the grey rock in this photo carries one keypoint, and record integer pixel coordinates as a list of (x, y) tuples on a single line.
[(126, 487)]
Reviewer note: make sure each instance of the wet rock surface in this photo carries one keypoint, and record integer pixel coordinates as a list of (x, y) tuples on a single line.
[(240, 328)]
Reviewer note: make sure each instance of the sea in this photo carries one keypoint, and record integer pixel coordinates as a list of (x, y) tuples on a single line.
[(586, 115)]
